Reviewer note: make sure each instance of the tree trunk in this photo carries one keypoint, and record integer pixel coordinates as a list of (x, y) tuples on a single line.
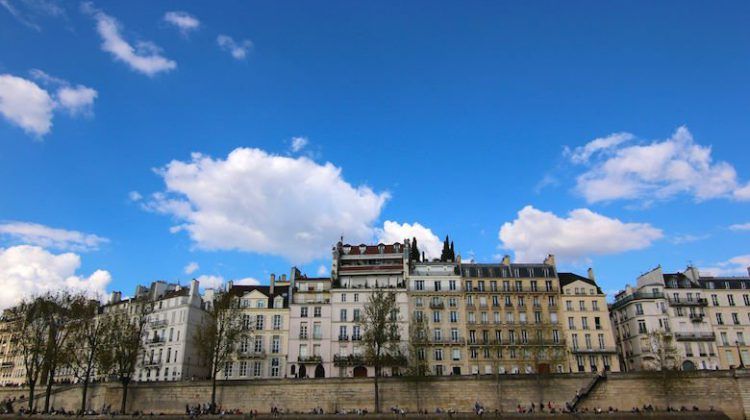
[(32, 386), (213, 393), (124, 396), (48, 389), (377, 390), (84, 391)]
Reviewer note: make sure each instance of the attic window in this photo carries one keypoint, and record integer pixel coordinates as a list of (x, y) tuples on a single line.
[(396, 247), (362, 249), (381, 248), (347, 249)]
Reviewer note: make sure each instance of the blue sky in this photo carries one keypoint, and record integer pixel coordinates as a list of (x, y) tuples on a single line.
[(464, 117)]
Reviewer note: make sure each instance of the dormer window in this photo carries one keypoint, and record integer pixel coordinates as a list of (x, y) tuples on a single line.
[(362, 249), (397, 247), (381, 248), (278, 302), (347, 249)]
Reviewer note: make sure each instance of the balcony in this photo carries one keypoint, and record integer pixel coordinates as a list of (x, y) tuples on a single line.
[(158, 323), (687, 302), (151, 363), (309, 359), (251, 354), (437, 305), (303, 336), (155, 341), (695, 336), (696, 317), (595, 350), (350, 360), (356, 338), (343, 338), (637, 296)]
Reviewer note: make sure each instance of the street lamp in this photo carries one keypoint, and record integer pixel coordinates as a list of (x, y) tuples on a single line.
[(742, 362)]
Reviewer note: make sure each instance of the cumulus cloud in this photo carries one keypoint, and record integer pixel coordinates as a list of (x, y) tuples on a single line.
[(655, 171), (736, 266), (27, 270), (580, 235), (144, 57), (183, 21), (322, 270), (238, 49), (48, 237), (135, 196), (298, 143), (740, 226), (25, 104), (257, 202), (192, 267), (217, 281), (77, 100), (426, 240)]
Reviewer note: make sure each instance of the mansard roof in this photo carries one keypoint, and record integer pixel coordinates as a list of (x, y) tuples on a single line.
[(507, 271), (283, 291), (568, 278)]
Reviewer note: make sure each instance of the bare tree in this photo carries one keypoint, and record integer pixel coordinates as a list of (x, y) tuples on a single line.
[(85, 342), (123, 342), (381, 336), (32, 336), (418, 368), (664, 362), (217, 337), (58, 314), (545, 354)]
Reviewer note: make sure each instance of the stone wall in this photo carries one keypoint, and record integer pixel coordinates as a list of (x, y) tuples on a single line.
[(725, 390)]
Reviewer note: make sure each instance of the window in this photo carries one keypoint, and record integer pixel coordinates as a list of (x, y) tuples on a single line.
[(575, 341), (456, 354), (342, 315), (454, 334), (585, 323), (555, 336), (719, 318), (435, 316), (642, 327), (419, 316), (277, 322), (356, 333), (356, 297), (493, 286), (316, 312), (317, 334), (452, 302), (454, 316), (568, 305), (595, 305), (740, 338), (303, 312), (724, 339), (638, 309), (469, 286), (227, 369), (275, 367), (553, 317), (582, 305), (260, 320), (714, 300), (571, 323), (731, 300), (275, 344), (246, 322), (437, 334), (452, 284), (537, 317), (257, 368), (303, 330), (437, 286), (587, 339), (735, 318), (258, 345), (419, 284), (243, 368), (597, 323), (746, 298), (438, 354)]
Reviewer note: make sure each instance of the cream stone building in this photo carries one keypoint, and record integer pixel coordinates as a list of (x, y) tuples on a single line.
[(512, 317), (436, 299), (262, 350), (11, 361), (588, 329), (310, 334)]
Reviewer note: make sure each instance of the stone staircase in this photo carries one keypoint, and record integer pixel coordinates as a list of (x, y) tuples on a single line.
[(573, 404)]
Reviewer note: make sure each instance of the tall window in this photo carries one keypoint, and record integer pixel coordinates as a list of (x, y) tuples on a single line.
[(277, 322), (258, 345), (260, 320), (276, 344), (275, 367), (243, 368)]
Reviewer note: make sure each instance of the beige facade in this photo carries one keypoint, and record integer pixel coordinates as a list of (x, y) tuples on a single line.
[(263, 348), (310, 334), (11, 361), (588, 329)]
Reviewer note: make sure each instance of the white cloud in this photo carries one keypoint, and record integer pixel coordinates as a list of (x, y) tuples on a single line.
[(322, 270), (77, 100), (298, 143), (25, 104), (217, 281), (688, 238), (191, 267), (45, 236), (582, 234), (144, 57), (257, 202), (247, 281), (26, 270), (238, 50), (426, 240), (184, 21), (740, 226), (135, 196), (582, 154), (655, 171), (28, 12), (736, 266)]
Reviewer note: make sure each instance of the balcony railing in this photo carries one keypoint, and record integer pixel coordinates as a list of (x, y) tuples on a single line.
[(697, 317), (350, 360), (158, 323), (155, 341), (637, 296), (437, 305), (309, 359), (595, 350), (356, 338), (344, 337), (687, 302), (695, 336), (251, 354), (151, 363)]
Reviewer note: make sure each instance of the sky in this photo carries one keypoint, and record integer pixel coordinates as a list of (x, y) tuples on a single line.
[(165, 140)]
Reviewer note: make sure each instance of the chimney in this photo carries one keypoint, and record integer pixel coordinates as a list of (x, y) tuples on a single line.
[(114, 297), (748, 270), (273, 283), (194, 287), (283, 278), (458, 259), (550, 260), (591, 274), (230, 284), (506, 260), (273, 278)]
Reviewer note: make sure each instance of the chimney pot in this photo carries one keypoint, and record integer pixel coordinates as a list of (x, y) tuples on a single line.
[(591, 274), (273, 278)]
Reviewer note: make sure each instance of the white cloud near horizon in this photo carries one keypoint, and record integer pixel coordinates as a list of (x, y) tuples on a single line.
[(191, 268), (29, 270), (48, 237), (238, 49), (213, 281), (183, 21), (655, 171), (258, 202), (427, 241), (740, 226), (736, 266), (145, 57), (575, 238)]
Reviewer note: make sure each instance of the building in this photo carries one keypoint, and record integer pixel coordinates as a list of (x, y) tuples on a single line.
[(262, 351), (512, 317), (310, 333), (726, 301), (436, 301), (11, 361), (588, 329), (169, 352), (356, 272), (662, 323)]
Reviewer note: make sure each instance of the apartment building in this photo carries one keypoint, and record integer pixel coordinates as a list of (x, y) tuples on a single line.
[(586, 323), (11, 361), (169, 352), (662, 323), (262, 350), (436, 299), (310, 334), (356, 272), (727, 304), (512, 317)]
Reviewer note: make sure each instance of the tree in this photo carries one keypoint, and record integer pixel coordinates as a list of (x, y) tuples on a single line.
[(58, 314), (445, 255), (32, 336), (545, 354), (418, 368), (414, 250), (123, 341), (217, 337), (381, 336), (664, 362), (85, 345)]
